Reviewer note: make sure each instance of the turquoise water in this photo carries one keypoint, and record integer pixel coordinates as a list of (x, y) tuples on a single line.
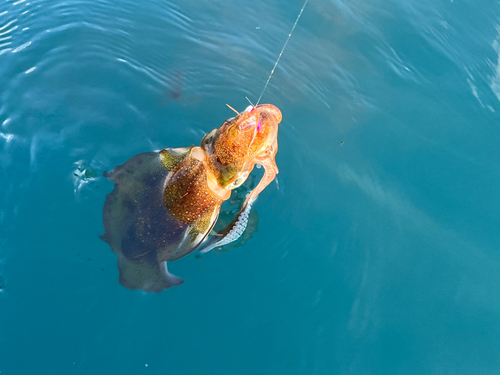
[(378, 245)]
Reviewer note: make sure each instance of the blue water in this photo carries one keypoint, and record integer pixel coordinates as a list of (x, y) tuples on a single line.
[(378, 245)]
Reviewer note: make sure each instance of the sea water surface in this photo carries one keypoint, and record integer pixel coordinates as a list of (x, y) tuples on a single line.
[(378, 245)]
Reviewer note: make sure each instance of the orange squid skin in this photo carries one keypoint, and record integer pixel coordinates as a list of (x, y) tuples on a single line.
[(165, 203)]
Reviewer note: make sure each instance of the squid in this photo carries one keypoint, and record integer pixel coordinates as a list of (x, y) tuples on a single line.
[(165, 204)]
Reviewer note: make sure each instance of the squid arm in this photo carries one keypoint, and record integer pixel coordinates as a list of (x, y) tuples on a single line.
[(236, 228)]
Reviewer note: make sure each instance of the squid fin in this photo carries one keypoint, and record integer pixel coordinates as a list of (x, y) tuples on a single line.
[(170, 278)]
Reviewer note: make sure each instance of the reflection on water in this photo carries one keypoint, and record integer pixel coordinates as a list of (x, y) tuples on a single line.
[(378, 252)]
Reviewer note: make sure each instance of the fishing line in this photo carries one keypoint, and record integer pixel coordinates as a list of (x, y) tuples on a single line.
[(281, 53)]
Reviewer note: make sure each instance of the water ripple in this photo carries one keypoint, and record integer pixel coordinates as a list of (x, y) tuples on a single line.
[(7, 25), (21, 47)]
